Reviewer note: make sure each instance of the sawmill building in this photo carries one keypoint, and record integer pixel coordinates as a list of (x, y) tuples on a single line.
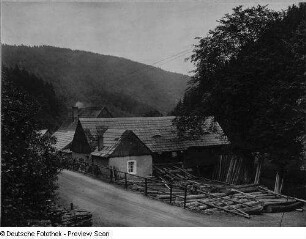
[(134, 144)]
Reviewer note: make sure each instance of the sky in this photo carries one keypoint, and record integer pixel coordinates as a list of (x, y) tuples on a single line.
[(158, 33)]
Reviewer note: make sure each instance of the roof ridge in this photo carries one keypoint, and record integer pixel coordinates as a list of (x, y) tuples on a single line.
[(127, 118)]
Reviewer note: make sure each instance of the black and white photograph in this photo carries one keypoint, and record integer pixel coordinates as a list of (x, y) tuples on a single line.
[(153, 114)]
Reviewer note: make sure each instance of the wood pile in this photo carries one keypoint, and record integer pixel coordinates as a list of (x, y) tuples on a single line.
[(76, 218), (61, 217), (210, 196), (39, 223)]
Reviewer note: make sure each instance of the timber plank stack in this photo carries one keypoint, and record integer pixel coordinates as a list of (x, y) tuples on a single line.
[(211, 196), (62, 217), (77, 218)]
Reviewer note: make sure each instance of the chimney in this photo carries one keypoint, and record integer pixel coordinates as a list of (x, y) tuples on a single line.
[(75, 113), (100, 142)]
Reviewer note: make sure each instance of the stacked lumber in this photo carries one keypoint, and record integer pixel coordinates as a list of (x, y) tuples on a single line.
[(39, 223), (77, 218), (271, 201), (206, 194), (172, 173), (62, 217)]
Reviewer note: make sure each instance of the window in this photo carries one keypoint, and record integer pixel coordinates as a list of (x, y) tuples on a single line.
[(158, 136), (174, 154), (131, 166)]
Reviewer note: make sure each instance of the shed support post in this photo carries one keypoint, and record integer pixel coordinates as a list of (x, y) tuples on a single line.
[(170, 193), (146, 187), (125, 181), (110, 175), (185, 196), (115, 175)]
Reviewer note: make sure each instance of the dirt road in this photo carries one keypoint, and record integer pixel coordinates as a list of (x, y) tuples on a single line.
[(114, 206)]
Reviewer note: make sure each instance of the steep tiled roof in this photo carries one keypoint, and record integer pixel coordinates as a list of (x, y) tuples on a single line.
[(87, 112), (157, 133), (90, 112), (65, 133), (113, 138), (63, 138)]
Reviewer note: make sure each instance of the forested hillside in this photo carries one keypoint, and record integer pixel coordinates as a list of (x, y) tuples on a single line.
[(49, 110), (127, 88)]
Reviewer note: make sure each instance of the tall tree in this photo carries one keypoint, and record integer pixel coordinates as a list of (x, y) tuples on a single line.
[(28, 160), (255, 84)]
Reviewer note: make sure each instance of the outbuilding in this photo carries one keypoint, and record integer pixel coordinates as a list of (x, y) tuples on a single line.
[(124, 151)]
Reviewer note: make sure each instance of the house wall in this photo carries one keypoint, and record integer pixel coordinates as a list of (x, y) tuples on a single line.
[(79, 143), (143, 164)]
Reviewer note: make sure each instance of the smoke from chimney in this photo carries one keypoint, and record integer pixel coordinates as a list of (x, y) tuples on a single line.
[(79, 104)]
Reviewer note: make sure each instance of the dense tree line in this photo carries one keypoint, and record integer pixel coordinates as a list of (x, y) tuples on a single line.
[(29, 164), (50, 111), (250, 74)]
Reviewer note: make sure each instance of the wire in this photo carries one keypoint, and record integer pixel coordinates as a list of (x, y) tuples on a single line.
[(167, 59)]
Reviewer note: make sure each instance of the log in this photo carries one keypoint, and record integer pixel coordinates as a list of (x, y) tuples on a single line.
[(163, 196), (258, 170), (203, 207), (281, 195), (218, 194), (283, 208), (248, 189), (246, 185), (254, 210), (188, 204), (277, 203), (196, 196), (227, 210)]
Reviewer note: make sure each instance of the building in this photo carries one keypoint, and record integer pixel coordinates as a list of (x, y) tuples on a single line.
[(64, 135), (123, 150), (101, 139)]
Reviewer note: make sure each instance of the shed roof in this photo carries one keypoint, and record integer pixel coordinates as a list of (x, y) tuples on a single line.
[(42, 132), (63, 138), (157, 133)]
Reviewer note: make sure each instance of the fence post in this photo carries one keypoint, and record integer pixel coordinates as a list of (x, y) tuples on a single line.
[(110, 175), (146, 187), (170, 193), (185, 196), (125, 181)]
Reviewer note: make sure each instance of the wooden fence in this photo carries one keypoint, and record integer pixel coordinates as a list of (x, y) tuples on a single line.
[(149, 186)]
